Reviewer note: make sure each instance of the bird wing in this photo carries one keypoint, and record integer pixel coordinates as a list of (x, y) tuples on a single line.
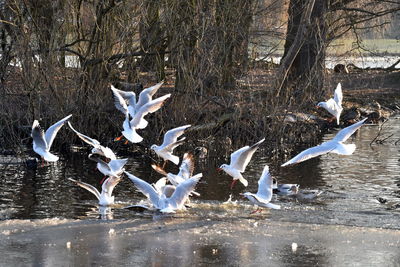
[(183, 190), (338, 95), (187, 166), (100, 161), (345, 133), (110, 183), (265, 185), (150, 107), (88, 187), (85, 138), (144, 187), (172, 135), (146, 95), (38, 135), (117, 164), (52, 131), (159, 169), (241, 158), (119, 101), (159, 185), (312, 153)]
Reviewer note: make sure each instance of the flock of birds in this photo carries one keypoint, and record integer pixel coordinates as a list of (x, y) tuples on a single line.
[(171, 192)]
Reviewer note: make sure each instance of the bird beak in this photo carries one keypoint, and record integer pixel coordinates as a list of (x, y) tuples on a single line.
[(219, 169)]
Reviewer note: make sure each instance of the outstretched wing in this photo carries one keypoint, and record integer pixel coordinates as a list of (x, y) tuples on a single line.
[(241, 158), (144, 187), (119, 101), (88, 187), (338, 95), (117, 164), (146, 95), (187, 166), (85, 138), (312, 153), (172, 135), (150, 107), (265, 184), (52, 131), (159, 169), (38, 135), (345, 133), (183, 190)]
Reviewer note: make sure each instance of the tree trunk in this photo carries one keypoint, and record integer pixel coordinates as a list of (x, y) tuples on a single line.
[(305, 50)]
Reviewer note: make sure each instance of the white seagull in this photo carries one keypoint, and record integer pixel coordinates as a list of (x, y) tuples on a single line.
[(185, 170), (284, 189), (105, 197), (146, 95), (169, 144), (114, 167), (334, 105), (332, 146), (97, 147), (129, 97), (137, 121), (42, 141), (264, 194), (169, 200), (239, 161)]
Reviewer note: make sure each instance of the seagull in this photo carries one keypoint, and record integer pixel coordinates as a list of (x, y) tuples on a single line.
[(42, 141), (129, 98), (185, 171), (264, 194), (97, 147), (334, 105), (137, 121), (332, 146), (167, 201), (239, 161), (170, 143), (284, 189), (105, 197), (113, 168)]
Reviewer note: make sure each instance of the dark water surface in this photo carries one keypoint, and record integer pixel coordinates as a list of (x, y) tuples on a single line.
[(41, 211)]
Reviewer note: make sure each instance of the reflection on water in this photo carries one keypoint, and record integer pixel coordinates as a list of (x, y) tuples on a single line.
[(213, 231)]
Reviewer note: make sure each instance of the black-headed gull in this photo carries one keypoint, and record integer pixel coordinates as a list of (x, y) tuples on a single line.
[(264, 194), (137, 121), (284, 189), (170, 199), (114, 167), (332, 146), (42, 141), (185, 171), (129, 97), (334, 105), (239, 161), (97, 147), (170, 143), (146, 95), (105, 197)]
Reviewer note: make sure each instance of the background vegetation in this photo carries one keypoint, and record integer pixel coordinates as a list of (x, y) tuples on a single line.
[(60, 57)]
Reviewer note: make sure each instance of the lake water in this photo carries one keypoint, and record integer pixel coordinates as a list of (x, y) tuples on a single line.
[(42, 212)]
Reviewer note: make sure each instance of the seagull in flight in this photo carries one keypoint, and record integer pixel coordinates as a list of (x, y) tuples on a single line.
[(97, 147), (334, 105), (264, 194), (169, 200), (105, 197), (239, 161), (136, 121), (336, 145), (170, 142), (42, 141)]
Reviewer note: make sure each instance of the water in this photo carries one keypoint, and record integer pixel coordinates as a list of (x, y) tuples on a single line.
[(41, 211)]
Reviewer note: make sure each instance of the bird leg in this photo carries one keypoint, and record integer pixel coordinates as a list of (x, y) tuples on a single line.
[(257, 210), (42, 162), (118, 138), (126, 142), (233, 183), (102, 180)]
